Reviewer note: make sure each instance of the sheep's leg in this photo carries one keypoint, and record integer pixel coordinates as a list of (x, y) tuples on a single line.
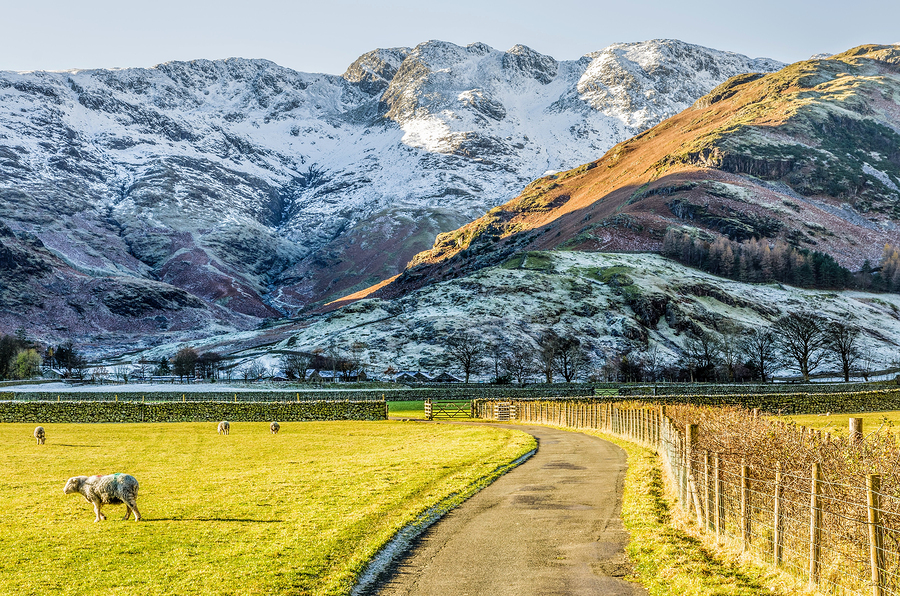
[(133, 507), (99, 515)]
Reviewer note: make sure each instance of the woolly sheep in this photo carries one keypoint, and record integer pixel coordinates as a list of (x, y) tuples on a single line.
[(224, 428), (111, 489), (274, 427), (39, 435)]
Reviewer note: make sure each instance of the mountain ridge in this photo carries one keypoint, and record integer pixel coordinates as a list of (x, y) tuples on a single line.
[(260, 190)]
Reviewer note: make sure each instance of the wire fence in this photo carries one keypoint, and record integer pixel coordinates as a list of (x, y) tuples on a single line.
[(823, 508)]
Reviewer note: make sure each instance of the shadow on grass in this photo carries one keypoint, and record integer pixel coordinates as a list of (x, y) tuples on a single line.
[(67, 445), (212, 519)]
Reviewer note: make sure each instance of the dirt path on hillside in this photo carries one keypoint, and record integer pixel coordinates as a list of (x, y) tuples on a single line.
[(551, 526)]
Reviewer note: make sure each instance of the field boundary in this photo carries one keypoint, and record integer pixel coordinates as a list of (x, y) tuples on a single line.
[(188, 411)]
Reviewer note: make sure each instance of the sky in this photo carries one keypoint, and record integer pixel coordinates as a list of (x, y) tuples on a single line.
[(328, 35)]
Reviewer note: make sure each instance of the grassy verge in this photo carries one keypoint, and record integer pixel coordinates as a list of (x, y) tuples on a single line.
[(839, 423), (300, 512), (670, 557), (407, 409)]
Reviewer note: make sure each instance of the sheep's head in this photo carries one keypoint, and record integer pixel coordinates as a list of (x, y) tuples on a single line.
[(73, 485)]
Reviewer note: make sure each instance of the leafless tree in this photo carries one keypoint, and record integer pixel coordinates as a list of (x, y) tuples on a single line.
[(356, 352), (295, 365), (652, 362), (569, 357), (802, 339), (466, 350), (254, 370), (702, 349), (519, 361), (843, 340), (760, 347), (548, 346), (120, 371), (729, 349), (498, 352)]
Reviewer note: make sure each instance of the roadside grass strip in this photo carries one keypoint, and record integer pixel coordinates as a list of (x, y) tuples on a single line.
[(302, 512)]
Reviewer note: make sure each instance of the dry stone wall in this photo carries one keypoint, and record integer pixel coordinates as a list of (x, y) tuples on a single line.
[(106, 411)]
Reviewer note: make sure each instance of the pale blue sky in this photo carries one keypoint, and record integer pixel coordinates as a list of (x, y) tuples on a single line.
[(326, 36)]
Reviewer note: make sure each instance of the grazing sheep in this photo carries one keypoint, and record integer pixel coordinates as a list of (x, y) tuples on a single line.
[(39, 435), (111, 489), (224, 428), (274, 427)]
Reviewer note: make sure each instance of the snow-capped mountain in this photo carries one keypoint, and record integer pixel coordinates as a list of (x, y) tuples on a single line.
[(261, 190)]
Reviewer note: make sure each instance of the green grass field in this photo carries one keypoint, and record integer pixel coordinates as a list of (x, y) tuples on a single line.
[(840, 423), (249, 513), (406, 409)]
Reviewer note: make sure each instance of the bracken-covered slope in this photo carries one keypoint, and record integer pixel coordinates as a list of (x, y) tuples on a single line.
[(809, 155), (259, 190)]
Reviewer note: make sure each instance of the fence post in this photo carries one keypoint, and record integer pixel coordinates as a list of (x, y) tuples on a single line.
[(778, 531), (876, 532), (856, 431), (815, 525), (745, 506), (720, 497), (707, 494)]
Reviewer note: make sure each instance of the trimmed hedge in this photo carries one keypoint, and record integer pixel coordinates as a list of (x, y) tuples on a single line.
[(111, 411)]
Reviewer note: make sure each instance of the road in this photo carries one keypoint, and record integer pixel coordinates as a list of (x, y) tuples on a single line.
[(551, 526)]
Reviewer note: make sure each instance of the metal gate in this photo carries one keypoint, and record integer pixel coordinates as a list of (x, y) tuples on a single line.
[(504, 411)]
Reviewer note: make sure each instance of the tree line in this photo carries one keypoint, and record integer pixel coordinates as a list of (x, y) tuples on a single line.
[(801, 341), (759, 261)]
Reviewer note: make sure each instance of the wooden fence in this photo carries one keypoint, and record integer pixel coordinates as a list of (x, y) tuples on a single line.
[(841, 534)]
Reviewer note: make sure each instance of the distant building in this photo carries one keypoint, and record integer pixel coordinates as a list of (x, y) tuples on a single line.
[(446, 378)]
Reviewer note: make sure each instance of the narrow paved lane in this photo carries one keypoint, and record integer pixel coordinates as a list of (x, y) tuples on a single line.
[(550, 526)]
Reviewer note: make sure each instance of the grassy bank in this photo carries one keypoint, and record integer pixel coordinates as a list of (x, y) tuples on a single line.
[(249, 513)]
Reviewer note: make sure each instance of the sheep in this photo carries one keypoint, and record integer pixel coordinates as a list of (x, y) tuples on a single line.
[(224, 428), (274, 427), (39, 435), (111, 489)]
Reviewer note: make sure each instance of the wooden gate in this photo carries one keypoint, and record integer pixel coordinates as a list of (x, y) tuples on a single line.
[(446, 409)]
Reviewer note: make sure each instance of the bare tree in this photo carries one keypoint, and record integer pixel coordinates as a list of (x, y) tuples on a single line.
[(498, 352), (295, 365), (843, 340), (729, 348), (569, 357), (760, 347), (802, 339), (548, 345), (701, 349), (120, 372), (652, 362), (356, 352), (519, 361), (466, 350)]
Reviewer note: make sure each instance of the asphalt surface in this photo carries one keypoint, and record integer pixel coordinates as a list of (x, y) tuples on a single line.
[(551, 526)]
